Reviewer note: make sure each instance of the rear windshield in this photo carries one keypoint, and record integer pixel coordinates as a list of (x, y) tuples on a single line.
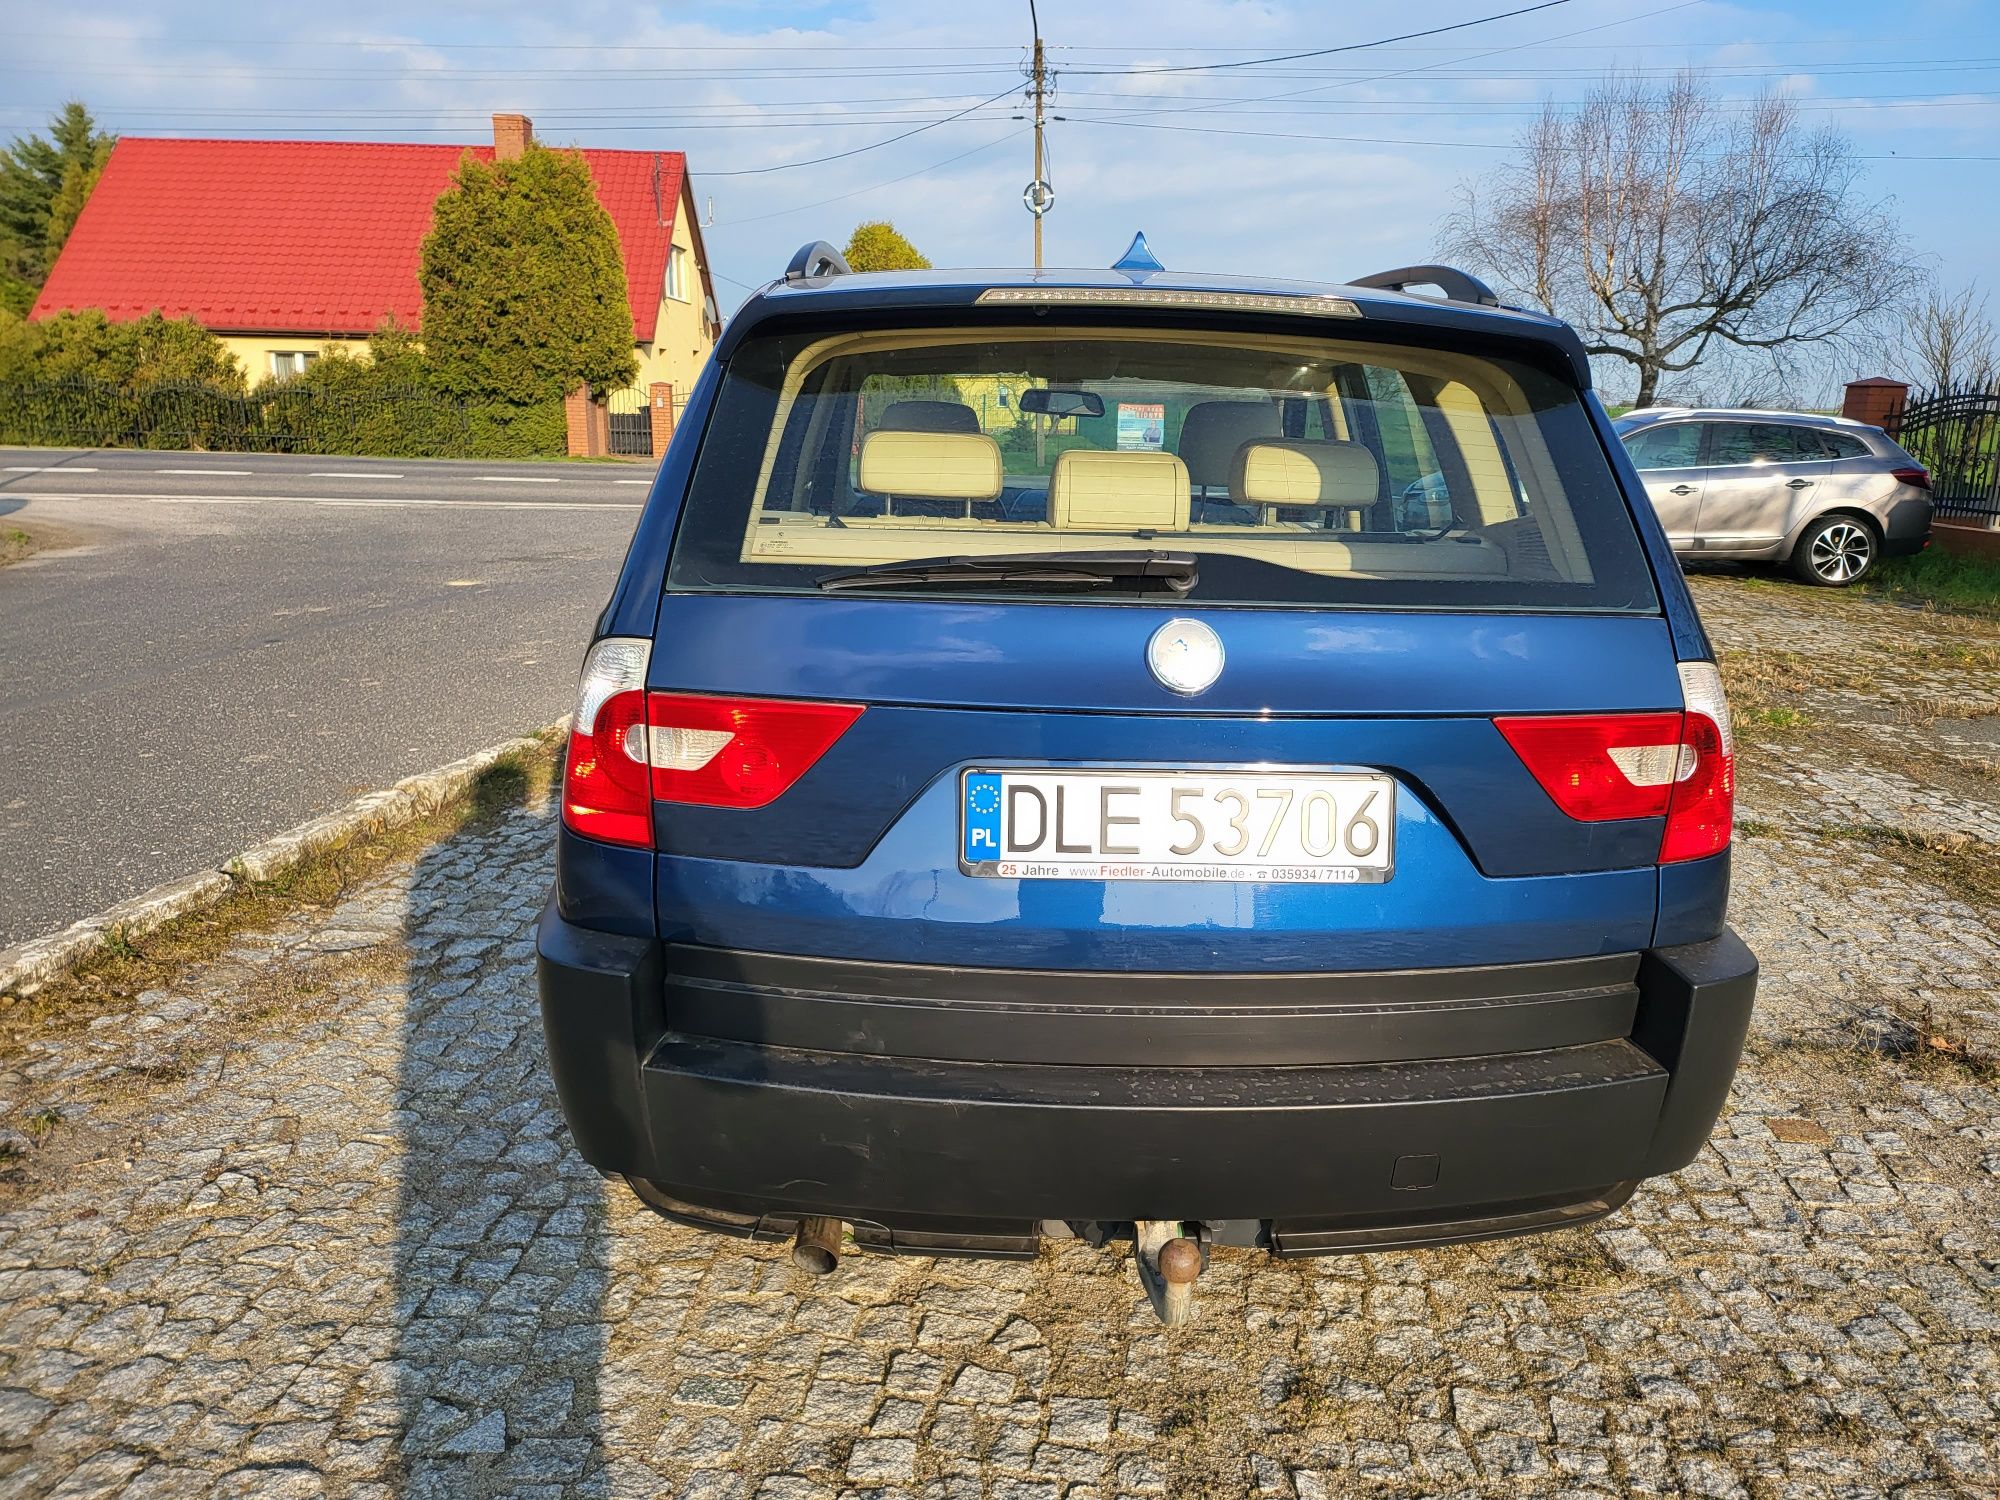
[(1295, 471)]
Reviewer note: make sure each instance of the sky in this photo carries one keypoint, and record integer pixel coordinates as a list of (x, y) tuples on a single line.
[(1164, 117)]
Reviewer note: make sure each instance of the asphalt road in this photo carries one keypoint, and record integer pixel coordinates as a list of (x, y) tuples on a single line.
[(210, 648)]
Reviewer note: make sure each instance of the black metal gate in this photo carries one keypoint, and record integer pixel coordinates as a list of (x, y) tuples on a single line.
[(631, 424), (1956, 435)]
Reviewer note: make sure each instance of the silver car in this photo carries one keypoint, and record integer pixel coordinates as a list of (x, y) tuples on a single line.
[(1827, 495)]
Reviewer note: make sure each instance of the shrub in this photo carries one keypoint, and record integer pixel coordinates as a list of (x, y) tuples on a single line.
[(383, 405), (879, 246), (502, 431), (524, 287)]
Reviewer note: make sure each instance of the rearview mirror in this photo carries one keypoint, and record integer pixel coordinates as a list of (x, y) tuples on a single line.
[(1050, 403)]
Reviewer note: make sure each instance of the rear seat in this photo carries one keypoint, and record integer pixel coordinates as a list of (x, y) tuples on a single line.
[(1211, 434), (910, 470), (1298, 473), (942, 418)]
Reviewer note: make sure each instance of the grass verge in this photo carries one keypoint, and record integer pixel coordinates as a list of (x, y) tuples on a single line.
[(1941, 580), (15, 544), (1960, 866)]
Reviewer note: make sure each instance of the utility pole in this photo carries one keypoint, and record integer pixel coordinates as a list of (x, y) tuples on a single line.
[(1038, 197)]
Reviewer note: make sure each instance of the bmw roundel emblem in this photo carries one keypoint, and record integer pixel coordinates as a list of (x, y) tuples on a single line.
[(1185, 655)]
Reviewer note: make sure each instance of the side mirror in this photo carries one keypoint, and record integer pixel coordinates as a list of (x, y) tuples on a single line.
[(1056, 403)]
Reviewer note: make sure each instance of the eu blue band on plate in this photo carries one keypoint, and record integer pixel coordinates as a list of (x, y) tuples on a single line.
[(982, 818)]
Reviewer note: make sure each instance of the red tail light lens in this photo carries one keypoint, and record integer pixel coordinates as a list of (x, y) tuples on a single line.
[(737, 752), (1919, 478), (1597, 767), (605, 795)]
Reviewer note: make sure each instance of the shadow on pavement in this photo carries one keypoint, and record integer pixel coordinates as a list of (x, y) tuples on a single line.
[(501, 1243)]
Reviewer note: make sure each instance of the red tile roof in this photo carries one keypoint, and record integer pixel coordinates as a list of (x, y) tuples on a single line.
[(308, 237)]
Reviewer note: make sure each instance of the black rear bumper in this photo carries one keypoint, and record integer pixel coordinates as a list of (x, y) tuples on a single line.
[(959, 1109)]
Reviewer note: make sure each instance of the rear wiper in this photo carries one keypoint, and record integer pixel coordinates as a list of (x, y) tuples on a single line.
[(1042, 572)]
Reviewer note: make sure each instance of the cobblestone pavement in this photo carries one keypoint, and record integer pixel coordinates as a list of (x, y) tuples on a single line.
[(354, 1255)]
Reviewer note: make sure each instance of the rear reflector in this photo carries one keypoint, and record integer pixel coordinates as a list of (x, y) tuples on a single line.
[(1680, 766), (737, 752), (605, 795)]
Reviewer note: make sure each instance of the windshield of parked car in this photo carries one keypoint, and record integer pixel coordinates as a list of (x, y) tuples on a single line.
[(1293, 469)]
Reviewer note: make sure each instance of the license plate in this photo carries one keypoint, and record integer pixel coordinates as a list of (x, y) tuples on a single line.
[(1273, 827)]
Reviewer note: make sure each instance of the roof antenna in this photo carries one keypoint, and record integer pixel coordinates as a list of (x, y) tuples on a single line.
[(1138, 258), (711, 212)]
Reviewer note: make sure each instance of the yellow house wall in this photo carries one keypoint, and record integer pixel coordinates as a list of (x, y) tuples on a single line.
[(682, 338), (253, 350)]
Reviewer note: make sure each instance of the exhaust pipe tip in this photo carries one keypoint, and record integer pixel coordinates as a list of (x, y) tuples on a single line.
[(816, 1248)]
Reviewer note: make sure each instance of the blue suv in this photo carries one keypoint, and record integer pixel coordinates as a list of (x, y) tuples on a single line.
[(1036, 775)]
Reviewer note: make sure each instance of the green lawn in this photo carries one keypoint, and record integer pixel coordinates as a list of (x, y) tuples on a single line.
[(1948, 580)]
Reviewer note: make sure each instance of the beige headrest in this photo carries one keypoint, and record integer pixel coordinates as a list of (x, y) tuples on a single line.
[(1295, 471), (931, 465), (1088, 488)]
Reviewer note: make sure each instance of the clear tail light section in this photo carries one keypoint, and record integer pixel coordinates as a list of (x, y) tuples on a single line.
[(737, 752), (1680, 766), (605, 790), (1703, 811)]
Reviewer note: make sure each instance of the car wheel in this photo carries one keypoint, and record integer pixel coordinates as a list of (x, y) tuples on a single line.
[(1835, 551)]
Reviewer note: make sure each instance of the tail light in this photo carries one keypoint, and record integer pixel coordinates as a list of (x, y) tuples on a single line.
[(605, 795), (737, 752), (1680, 766), (1704, 801), (1916, 477), (629, 748)]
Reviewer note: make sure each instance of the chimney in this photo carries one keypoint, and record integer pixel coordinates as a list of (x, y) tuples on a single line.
[(511, 134)]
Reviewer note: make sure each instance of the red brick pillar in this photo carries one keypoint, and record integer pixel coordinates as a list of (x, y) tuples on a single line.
[(660, 407), (1878, 401), (600, 428), (576, 420)]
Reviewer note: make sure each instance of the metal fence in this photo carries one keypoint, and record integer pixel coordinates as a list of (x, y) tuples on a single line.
[(631, 422), (276, 417), (1955, 433)]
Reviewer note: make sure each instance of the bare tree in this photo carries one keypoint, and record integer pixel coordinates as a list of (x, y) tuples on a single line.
[(1669, 227), (1950, 340)]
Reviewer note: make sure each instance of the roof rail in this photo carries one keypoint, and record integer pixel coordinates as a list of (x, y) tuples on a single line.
[(1455, 284), (816, 259)]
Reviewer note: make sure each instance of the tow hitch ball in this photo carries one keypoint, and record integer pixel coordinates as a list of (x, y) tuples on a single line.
[(1169, 1262)]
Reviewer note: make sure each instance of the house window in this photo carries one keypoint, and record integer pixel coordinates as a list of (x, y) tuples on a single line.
[(677, 273), (289, 362)]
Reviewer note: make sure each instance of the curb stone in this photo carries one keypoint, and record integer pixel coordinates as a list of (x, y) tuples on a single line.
[(27, 966)]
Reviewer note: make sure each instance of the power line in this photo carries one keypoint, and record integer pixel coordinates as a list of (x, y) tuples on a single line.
[(1369, 140), (594, 78), (874, 187), (385, 43), (818, 46), (749, 114), (873, 146), (1258, 62), (1433, 68)]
